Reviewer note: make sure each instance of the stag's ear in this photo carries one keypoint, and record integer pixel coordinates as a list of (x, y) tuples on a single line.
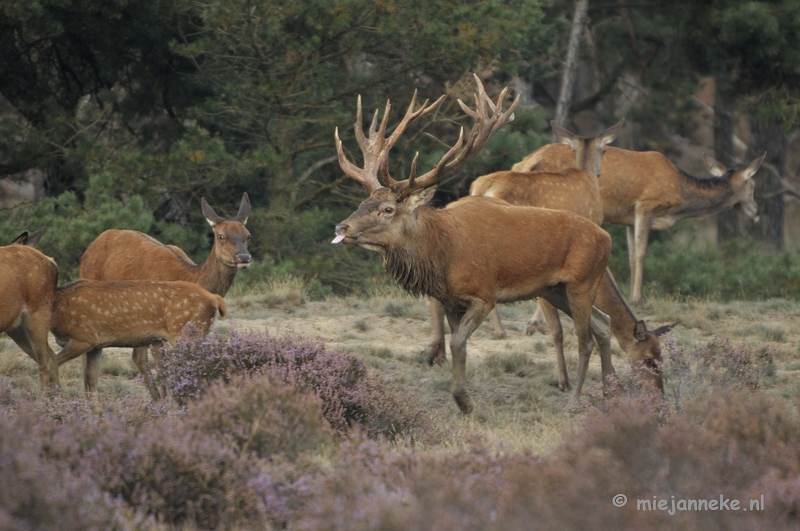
[(22, 239), (244, 210), (34, 237), (565, 136), (713, 166), (640, 331), (420, 197), (211, 216)]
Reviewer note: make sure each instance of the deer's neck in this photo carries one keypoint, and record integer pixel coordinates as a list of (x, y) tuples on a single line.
[(702, 197), (419, 265), (609, 300), (213, 275)]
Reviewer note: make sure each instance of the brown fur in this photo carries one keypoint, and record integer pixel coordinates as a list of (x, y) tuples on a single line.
[(132, 255), (90, 315), (644, 191), (27, 283)]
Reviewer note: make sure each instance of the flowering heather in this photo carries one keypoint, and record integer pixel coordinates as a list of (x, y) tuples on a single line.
[(350, 394)]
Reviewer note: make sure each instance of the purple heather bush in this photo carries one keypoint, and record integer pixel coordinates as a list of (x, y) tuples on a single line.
[(350, 395)]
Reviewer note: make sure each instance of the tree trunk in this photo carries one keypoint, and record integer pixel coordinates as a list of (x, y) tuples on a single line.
[(568, 78), (729, 222)]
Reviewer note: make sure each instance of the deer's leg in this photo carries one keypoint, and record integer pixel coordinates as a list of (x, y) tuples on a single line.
[(642, 233), (581, 298), (436, 354), (499, 331), (630, 233), (462, 326), (600, 325), (140, 360), (31, 337), (72, 349), (535, 323), (91, 370), (557, 333)]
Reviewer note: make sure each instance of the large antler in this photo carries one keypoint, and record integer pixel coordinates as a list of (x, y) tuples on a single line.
[(483, 129), (376, 147)]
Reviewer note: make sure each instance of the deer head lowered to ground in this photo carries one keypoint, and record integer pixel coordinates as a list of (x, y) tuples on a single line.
[(89, 315), (475, 255), (132, 255), (644, 191), (27, 289)]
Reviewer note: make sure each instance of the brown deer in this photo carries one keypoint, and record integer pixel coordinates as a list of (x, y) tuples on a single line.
[(132, 255), (28, 284), (89, 315), (474, 255), (644, 191), (573, 189)]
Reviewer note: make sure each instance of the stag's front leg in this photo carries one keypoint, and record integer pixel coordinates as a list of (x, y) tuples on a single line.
[(436, 354), (462, 325)]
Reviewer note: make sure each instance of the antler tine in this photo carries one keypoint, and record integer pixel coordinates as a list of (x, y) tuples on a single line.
[(372, 147), (483, 129)]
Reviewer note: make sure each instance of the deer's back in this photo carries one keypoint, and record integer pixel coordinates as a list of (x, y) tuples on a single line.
[(569, 189), (27, 283), (132, 255)]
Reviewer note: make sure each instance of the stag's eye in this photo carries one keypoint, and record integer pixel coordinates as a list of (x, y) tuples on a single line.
[(220, 237), (388, 210)]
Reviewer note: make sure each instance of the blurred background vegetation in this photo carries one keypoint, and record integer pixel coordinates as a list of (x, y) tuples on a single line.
[(130, 111)]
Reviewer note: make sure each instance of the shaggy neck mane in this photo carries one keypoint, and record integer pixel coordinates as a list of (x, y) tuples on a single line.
[(420, 265)]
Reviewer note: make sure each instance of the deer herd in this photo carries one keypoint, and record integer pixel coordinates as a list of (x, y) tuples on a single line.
[(529, 233)]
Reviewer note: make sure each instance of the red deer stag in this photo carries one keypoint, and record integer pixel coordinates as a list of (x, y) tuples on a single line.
[(644, 191), (90, 315), (132, 255), (572, 189), (28, 284), (575, 190), (472, 256)]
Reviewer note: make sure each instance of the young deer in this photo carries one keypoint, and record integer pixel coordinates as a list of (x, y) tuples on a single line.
[(474, 255), (644, 191), (90, 315), (132, 255), (28, 284)]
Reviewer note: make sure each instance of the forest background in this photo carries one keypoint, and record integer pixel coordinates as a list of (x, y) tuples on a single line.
[(130, 111)]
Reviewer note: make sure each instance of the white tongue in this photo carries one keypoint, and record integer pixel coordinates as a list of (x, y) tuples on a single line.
[(338, 238)]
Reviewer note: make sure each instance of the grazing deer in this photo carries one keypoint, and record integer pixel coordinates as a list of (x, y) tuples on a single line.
[(644, 191), (573, 189), (28, 284), (132, 255), (474, 255), (89, 315)]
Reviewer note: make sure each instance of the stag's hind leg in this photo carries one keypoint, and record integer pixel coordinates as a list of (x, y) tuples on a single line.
[(462, 325)]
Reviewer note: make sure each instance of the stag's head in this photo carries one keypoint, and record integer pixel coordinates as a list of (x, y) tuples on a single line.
[(588, 150), (383, 220), (645, 354), (231, 237), (741, 183)]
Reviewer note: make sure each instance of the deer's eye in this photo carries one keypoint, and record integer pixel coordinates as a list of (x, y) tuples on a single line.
[(648, 361), (388, 210), (220, 237)]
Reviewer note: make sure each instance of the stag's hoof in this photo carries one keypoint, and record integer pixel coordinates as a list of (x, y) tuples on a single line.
[(464, 402), (437, 354), (535, 326)]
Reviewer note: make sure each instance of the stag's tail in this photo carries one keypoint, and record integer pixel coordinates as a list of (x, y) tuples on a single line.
[(222, 308)]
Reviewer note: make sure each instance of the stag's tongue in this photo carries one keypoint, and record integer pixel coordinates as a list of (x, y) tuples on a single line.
[(338, 238)]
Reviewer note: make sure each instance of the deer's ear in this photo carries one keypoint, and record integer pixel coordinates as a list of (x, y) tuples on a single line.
[(211, 216), (34, 237), (22, 239), (421, 197), (752, 168), (244, 210), (610, 134), (564, 135), (640, 331)]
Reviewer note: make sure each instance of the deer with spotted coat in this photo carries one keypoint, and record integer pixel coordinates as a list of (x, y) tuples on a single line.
[(132, 255), (472, 256)]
